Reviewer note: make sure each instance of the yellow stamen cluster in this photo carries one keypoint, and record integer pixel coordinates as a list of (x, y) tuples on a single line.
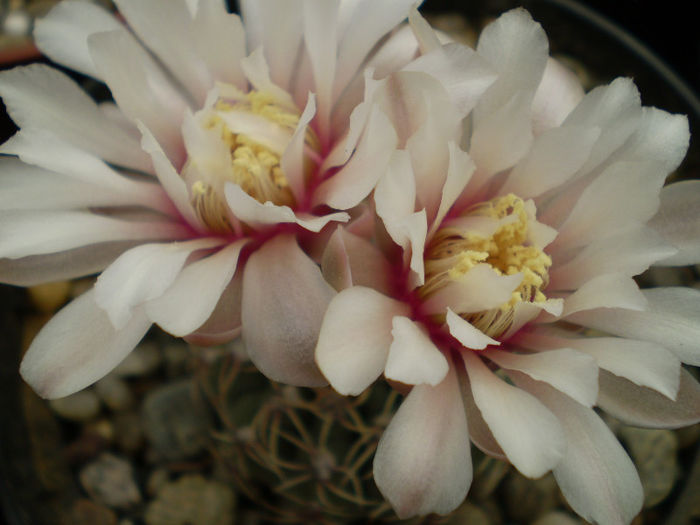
[(453, 252), (254, 166)]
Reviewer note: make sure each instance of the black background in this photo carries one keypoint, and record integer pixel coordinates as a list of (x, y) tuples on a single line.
[(668, 27)]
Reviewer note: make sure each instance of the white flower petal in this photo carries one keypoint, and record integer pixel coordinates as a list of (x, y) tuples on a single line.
[(142, 274), (61, 266), (596, 476), (467, 334), (255, 214), (86, 181), (616, 110), (459, 172), (346, 188), (352, 130), (678, 222), (219, 39), (426, 35), (524, 313), (277, 27), (394, 53), (569, 371), (643, 407), (479, 431), (77, 347), (670, 320), (463, 73), (62, 34), (170, 38), (555, 156), (605, 291), (349, 259), (224, 324), (424, 120), (395, 194), (598, 214), (25, 233), (423, 462), (320, 34), (501, 138), (369, 22), (660, 137), (528, 433), (645, 364), (266, 132), (628, 253), (517, 48), (557, 95), (413, 358), (31, 93), (258, 74), (140, 88), (292, 160), (284, 300), (481, 288), (25, 187), (169, 178), (355, 338), (192, 297)]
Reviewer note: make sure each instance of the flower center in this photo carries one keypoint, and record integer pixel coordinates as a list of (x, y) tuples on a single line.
[(497, 233), (248, 134)]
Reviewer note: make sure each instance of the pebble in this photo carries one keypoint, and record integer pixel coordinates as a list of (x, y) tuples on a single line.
[(469, 514), (87, 512), (175, 422), (655, 454), (81, 406), (110, 480), (557, 518), (157, 480), (45, 443), (49, 297), (95, 437), (114, 392), (143, 360), (192, 500), (128, 431)]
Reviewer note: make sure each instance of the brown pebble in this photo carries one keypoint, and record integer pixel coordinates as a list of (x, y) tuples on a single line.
[(87, 512), (192, 500), (110, 480)]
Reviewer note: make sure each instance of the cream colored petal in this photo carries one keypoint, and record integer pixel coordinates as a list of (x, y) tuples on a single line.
[(678, 222), (644, 407), (423, 463), (355, 337), (78, 346), (141, 275), (529, 434), (467, 334), (571, 372), (596, 476), (194, 294), (413, 358), (284, 300)]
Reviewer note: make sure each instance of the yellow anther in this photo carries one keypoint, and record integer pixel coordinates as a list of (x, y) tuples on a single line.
[(453, 252), (253, 165)]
